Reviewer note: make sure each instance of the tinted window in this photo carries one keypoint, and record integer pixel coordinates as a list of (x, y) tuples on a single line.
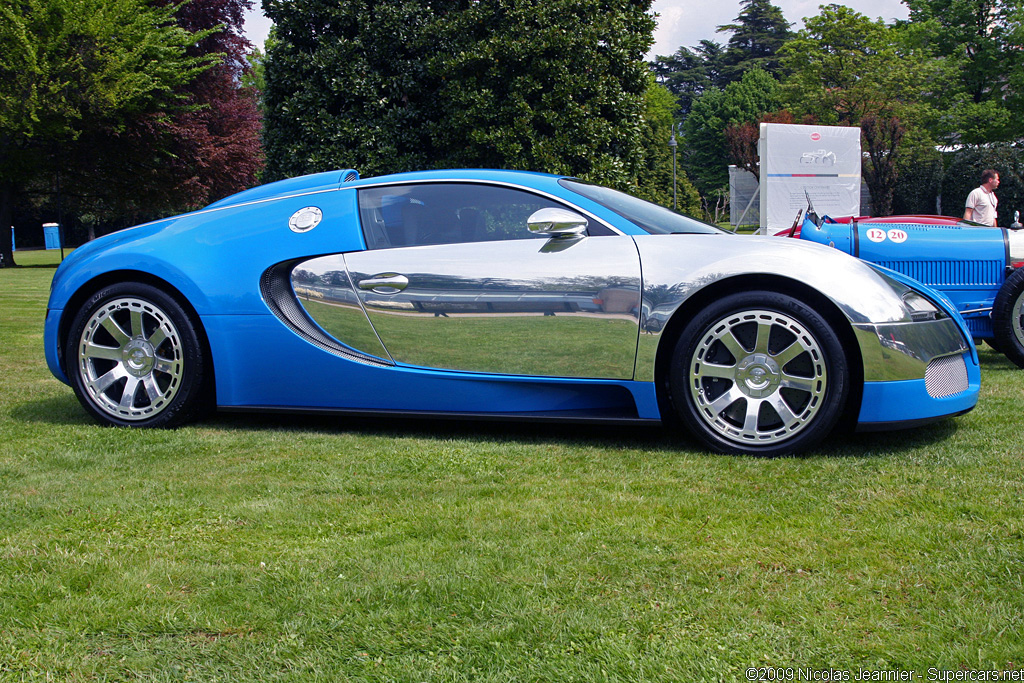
[(653, 218), (445, 213)]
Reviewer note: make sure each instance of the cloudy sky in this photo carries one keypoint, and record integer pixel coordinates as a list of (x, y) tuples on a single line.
[(684, 23)]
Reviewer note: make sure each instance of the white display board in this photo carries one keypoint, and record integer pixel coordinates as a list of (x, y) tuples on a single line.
[(822, 162)]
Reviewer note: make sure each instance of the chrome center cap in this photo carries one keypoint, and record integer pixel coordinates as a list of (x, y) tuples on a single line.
[(139, 357), (758, 375)]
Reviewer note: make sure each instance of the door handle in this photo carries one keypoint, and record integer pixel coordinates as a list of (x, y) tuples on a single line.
[(385, 283)]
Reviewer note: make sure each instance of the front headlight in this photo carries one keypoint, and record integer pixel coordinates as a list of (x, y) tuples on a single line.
[(920, 308)]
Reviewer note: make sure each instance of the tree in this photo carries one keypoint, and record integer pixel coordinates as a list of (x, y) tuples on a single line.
[(882, 137), (688, 73), (655, 182), (843, 66), (180, 158), (215, 149), (982, 40), (704, 131), (847, 69), (399, 85), (759, 33), (70, 68)]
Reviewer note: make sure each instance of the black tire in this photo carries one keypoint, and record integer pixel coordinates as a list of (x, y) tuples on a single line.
[(134, 358), (1008, 318), (759, 373)]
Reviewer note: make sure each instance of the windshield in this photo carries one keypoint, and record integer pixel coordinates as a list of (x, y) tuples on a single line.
[(652, 218)]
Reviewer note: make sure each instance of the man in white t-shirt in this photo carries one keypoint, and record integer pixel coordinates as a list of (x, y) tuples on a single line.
[(982, 201)]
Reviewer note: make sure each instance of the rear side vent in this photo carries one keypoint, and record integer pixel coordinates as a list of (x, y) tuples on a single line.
[(276, 288), (351, 176)]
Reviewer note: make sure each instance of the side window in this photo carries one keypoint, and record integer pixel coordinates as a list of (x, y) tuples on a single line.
[(446, 213)]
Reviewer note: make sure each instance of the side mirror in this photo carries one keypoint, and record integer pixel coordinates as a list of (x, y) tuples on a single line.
[(1016, 221), (557, 223)]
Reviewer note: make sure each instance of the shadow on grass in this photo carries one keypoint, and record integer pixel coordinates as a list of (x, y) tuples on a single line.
[(65, 410), (652, 437), (59, 410)]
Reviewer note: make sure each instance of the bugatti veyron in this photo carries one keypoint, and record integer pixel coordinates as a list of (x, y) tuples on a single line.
[(501, 295)]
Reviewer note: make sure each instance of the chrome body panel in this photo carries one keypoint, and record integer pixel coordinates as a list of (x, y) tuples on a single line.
[(324, 290), (898, 351), (559, 307), (678, 266)]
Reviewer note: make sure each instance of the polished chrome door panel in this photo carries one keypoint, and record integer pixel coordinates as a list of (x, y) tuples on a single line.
[(324, 290), (565, 307)]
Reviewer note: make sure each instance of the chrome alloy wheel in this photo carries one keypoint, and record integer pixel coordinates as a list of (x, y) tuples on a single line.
[(130, 359), (758, 377)]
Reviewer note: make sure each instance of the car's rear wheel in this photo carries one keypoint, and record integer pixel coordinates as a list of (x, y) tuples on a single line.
[(759, 373), (1008, 318), (134, 358)]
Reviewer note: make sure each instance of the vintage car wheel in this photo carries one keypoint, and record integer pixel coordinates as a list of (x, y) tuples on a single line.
[(759, 373), (1008, 318), (134, 358)]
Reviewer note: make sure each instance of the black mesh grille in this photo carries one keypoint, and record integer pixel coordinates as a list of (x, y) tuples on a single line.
[(946, 376)]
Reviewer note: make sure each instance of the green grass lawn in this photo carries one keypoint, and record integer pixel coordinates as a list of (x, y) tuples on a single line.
[(298, 549)]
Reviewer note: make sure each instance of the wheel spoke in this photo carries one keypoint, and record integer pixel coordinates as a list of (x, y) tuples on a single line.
[(733, 345), (714, 370), (750, 417), (152, 389), (764, 331), (136, 318), (789, 353), (103, 382), (807, 384), (95, 351), (157, 338), (725, 400), (128, 397), (119, 335), (165, 366), (785, 413)]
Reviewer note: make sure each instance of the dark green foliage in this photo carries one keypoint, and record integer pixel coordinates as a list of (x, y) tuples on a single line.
[(397, 86), (981, 39), (920, 181), (689, 73), (963, 174), (758, 34), (656, 179), (706, 150)]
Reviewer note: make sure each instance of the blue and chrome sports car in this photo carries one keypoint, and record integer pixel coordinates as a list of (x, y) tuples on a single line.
[(502, 295)]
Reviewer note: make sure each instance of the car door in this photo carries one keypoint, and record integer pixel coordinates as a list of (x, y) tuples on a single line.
[(453, 279)]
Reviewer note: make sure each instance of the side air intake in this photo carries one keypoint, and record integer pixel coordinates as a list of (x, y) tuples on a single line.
[(276, 288)]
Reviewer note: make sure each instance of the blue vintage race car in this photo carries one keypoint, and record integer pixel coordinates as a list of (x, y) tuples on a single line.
[(979, 268), (503, 295)]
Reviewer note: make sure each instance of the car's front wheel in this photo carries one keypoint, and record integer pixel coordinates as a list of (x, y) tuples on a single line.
[(1008, 318), (134, 358), (759, 373)]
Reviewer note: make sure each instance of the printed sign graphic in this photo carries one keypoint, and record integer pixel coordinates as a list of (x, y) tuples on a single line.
[(800, 162)]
